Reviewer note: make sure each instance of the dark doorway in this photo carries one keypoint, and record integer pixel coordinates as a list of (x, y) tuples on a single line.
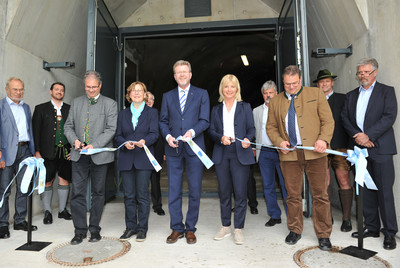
[(211, 55)]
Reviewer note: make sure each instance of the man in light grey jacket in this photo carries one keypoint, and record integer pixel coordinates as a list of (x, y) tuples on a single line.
[(91, 123), (267, 158)]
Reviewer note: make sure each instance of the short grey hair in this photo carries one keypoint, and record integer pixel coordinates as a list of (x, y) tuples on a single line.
[(88, 73), (149, 93), (180, 63), (368, 61), (268, 85)]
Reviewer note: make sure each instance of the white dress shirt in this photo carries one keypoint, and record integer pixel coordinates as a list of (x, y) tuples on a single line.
[(228, 119), (362, 104), (20, 119)]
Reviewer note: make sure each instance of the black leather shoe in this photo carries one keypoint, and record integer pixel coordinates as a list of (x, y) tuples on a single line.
[(4, 233), (346, 226), (292, 238), (366, 233), (78, 238), (127, 234), (389, 242), (24, 226), (159, 211), (48, 218), (253, 210), (324, 244), (272, 222), (65, 215), (95, 237)]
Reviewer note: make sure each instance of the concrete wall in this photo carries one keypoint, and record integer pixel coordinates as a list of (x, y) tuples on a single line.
[(32, 31), (371, 27), (43, 30)]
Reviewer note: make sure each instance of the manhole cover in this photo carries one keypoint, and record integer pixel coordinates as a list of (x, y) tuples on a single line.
[(87, 253), (314, 257)]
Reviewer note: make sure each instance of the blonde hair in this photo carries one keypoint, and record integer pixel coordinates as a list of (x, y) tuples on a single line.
[(132, 87), (226, 79)]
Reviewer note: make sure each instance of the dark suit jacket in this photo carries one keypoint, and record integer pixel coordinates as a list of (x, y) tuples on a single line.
[(196, 116), (44, 123), (379, 118), (244, 128), (340, 138), (146, 128), (9, 132)]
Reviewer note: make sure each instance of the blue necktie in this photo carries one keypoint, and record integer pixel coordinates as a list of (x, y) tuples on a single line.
[(182, 100), (292, 123)]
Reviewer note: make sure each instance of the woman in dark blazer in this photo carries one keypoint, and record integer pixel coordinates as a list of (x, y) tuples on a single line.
[(138, 123), (230, 120)]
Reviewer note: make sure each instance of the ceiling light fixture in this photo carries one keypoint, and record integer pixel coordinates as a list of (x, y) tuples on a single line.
[(244, 60)]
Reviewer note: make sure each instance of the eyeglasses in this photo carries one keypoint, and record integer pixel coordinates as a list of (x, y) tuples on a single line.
[(291, 84), (134, 91), (182, 72), (93, 87), (17, 89), (365, 73)]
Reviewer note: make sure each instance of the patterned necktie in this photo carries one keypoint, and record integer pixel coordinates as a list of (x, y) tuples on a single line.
[(182, 100), (92, 101), (292, 122)]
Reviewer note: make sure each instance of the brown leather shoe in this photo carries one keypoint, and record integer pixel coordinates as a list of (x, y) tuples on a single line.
[(173, 237), (190, 238)]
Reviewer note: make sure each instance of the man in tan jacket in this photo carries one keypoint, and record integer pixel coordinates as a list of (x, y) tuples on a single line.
[(301, 116)]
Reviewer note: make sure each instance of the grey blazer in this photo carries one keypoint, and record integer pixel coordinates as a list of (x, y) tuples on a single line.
[(102, 126), (258, 117), (9, 132)]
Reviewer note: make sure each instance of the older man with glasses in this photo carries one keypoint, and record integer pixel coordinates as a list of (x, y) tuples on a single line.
[(368, 117)]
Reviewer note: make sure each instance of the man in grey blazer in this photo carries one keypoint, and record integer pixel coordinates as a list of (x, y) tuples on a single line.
[(16, 142), (91, 123), (267, 158)]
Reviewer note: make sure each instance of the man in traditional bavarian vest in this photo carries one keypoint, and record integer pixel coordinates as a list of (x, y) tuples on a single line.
[(51, 144)]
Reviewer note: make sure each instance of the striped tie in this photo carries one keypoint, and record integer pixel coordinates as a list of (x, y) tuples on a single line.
[(292, 123), (182, 100)]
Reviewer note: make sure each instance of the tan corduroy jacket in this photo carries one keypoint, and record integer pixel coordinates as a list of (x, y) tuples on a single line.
[(314, 119)]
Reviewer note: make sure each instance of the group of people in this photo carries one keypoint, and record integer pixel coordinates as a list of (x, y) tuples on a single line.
[(300, 116)]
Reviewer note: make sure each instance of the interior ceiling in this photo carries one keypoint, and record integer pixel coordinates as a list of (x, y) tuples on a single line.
[(211, 56)]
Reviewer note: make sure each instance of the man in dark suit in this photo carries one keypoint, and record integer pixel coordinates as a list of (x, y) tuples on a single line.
[(185, 111), (368, 117), (91, 123), (51, 144), (340, 141), (16, 141), (301, 116)]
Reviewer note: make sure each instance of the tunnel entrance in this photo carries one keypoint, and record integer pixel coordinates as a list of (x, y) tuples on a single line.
[(212, 55)]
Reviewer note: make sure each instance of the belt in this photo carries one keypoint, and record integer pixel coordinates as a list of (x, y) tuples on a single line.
[(267, 149), (23, 143)]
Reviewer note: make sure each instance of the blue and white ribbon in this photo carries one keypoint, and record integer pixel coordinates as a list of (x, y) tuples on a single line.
[(198, 151), (36, 171), (356, 157), (149, 155)]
